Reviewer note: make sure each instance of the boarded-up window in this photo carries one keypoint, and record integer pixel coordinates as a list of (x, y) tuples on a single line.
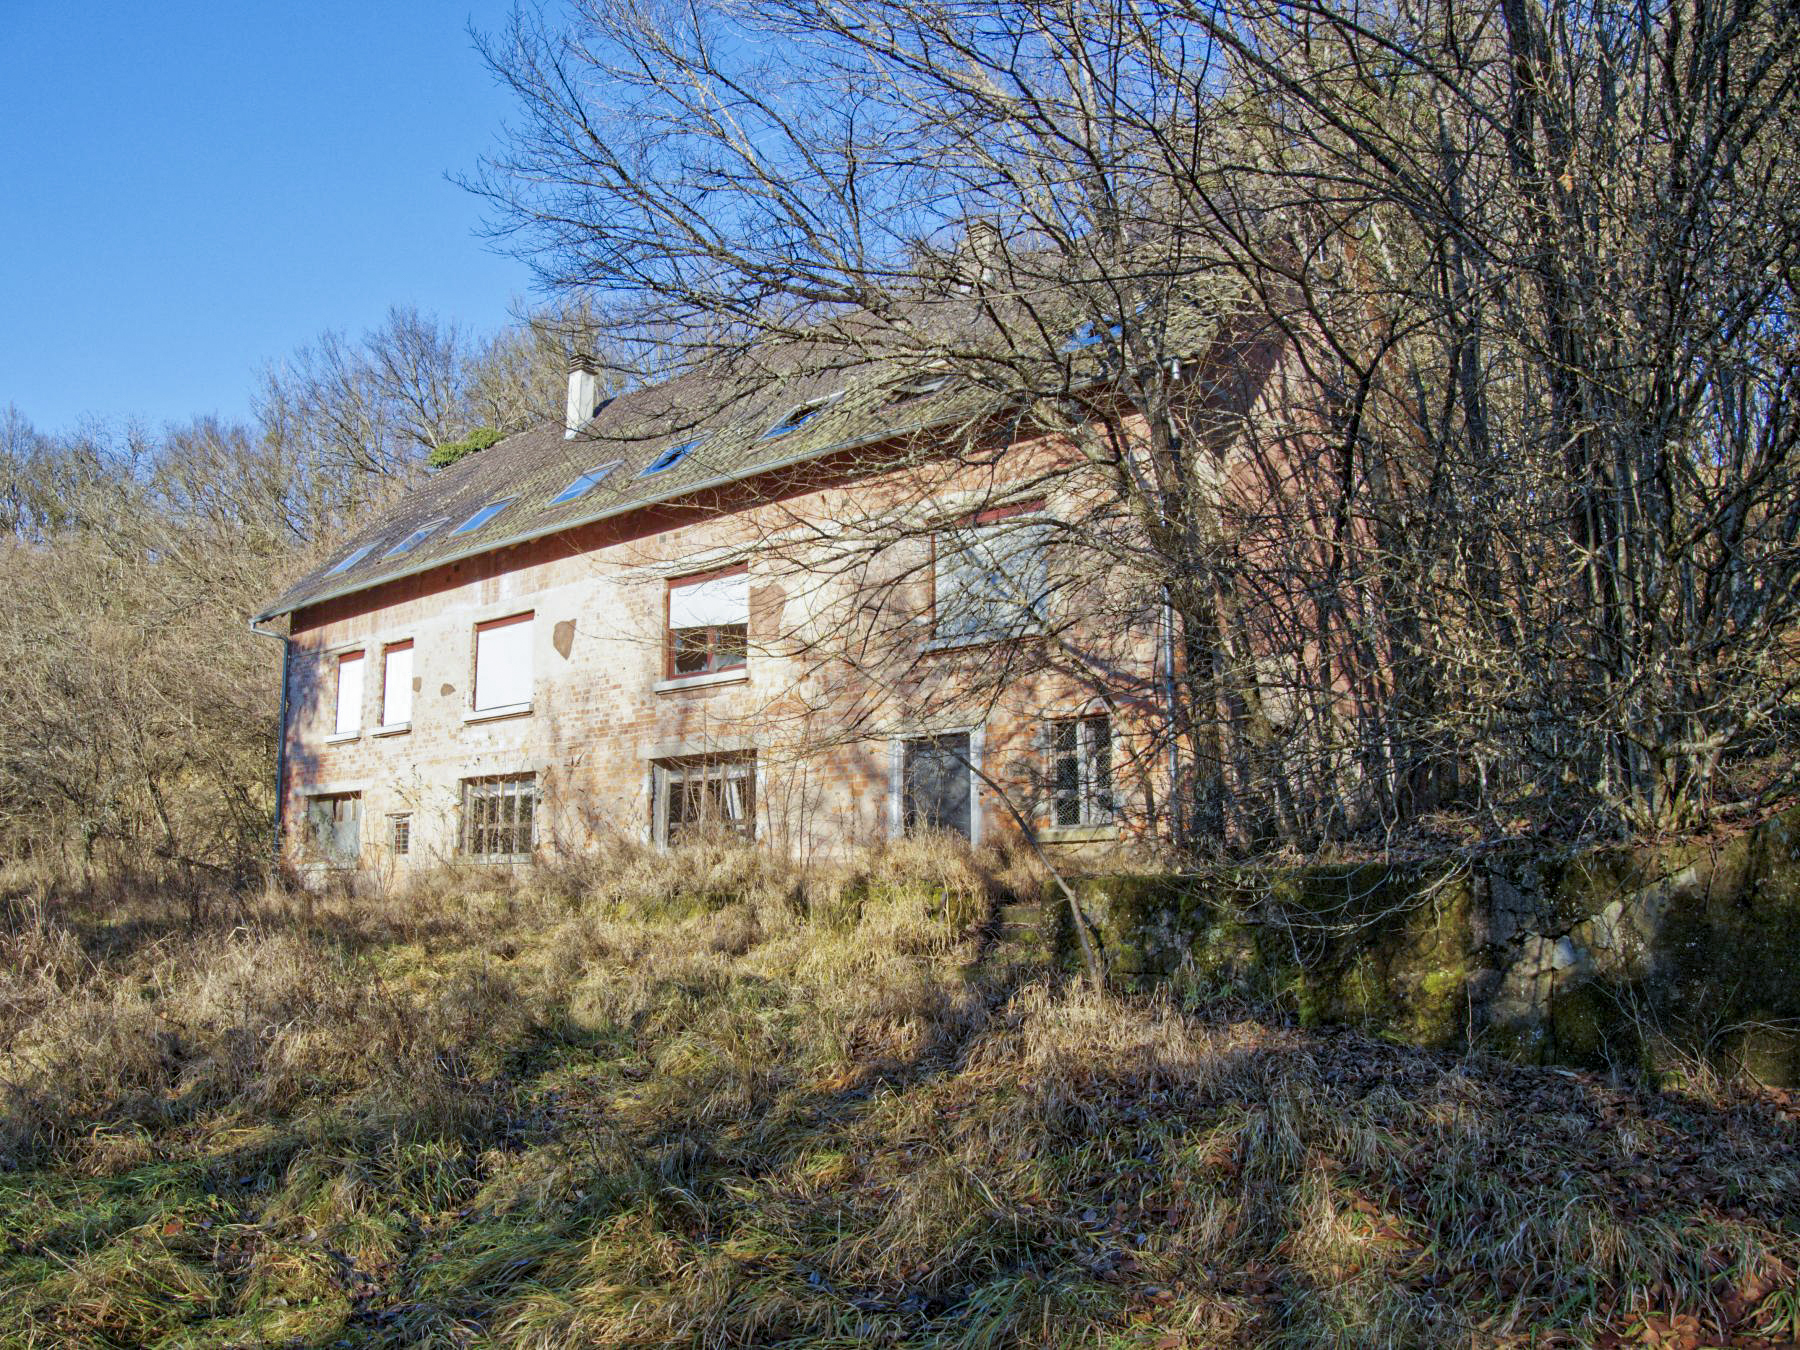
[(936, 784), (349, 694), (709, 623), (334, 828), (707, 794), (503, 663), (1081, 772), (991, 578), (397, 685), (499, 817)]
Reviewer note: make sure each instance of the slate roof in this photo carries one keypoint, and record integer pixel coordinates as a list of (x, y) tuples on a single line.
[(529, 469)]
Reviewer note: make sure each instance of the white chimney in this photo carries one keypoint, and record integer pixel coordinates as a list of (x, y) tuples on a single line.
[(584, 395)]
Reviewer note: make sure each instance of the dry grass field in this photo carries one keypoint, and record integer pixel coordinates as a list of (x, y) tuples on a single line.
[(712, 1102)]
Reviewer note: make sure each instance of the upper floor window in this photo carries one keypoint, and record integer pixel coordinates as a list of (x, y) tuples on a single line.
[(1092, 335), (920, 385), (413, 540), (991, 578), (1081, 772), (709, 622), (397, 684), (503, 664), (349, 694), (349, 560)]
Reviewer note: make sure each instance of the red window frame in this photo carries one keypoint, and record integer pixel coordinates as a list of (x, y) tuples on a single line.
[(387, 650), (991, 515), (713, 665)]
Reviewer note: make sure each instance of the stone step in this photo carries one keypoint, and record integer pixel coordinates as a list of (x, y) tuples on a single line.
[(1023, 931)]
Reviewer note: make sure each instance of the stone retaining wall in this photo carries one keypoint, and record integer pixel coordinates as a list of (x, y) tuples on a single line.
[(1644, 956)]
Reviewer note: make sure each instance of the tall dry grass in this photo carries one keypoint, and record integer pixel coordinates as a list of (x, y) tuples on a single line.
[(713, 1100)]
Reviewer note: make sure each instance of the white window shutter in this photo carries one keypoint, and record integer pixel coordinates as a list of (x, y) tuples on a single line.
[(719, 602), (397, 687), (503, 665), (349, 694)]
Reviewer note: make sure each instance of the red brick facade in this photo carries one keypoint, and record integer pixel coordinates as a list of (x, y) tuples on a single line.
[(827, 735)]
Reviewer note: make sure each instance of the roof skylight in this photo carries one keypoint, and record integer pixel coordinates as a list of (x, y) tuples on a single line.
[(483, 516), (669, 458), (350, 560), (586, 483), (1091, 334), (926, 382), (800, 416), (413, 540)]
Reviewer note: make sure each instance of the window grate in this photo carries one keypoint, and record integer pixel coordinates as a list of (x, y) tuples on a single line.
[(1081, 791), (707, 795)]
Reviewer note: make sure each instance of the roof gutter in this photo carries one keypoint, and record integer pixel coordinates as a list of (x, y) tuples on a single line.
[(280, 736), (510, 541)]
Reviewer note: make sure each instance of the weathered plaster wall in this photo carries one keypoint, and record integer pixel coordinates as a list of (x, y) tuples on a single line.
[(1632, 955)]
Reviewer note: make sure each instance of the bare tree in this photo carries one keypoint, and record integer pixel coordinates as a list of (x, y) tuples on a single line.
[(1434, 364)]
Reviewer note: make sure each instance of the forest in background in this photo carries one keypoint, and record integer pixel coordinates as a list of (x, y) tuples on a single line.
[(1516, 548), (138, 717)]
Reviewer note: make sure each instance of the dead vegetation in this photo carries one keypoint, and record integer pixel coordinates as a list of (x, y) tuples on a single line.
[(718, 1102)]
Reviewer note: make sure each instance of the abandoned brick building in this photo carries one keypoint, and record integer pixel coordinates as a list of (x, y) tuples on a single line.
[(620, 623)]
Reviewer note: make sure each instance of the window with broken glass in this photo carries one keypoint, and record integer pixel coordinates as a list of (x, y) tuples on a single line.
[(712, 794), (334, 828), (1081, 772), (499, 817), (991, 578)]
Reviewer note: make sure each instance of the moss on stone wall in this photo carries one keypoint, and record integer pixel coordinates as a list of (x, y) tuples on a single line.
[(1621, 955)]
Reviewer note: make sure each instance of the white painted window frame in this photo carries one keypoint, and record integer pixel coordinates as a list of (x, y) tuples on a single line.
[(977, 735)]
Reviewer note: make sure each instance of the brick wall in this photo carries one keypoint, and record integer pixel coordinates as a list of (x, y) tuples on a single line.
[(821, 718)]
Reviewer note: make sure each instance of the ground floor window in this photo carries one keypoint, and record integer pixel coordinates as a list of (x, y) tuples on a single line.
[(705, 794), (936, 791), (334, 828), (400, 833), (1081, 772), (499, 817)]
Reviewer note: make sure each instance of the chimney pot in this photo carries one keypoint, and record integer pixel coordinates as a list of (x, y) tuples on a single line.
[(584, 395)]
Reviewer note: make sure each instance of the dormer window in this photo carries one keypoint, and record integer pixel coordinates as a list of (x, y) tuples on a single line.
[(483, 516), (350, 560), (799, 416), (669, 458), (413, 540), (585, 484)]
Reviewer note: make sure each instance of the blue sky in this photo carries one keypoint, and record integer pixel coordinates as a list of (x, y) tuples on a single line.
[(188, 191)]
